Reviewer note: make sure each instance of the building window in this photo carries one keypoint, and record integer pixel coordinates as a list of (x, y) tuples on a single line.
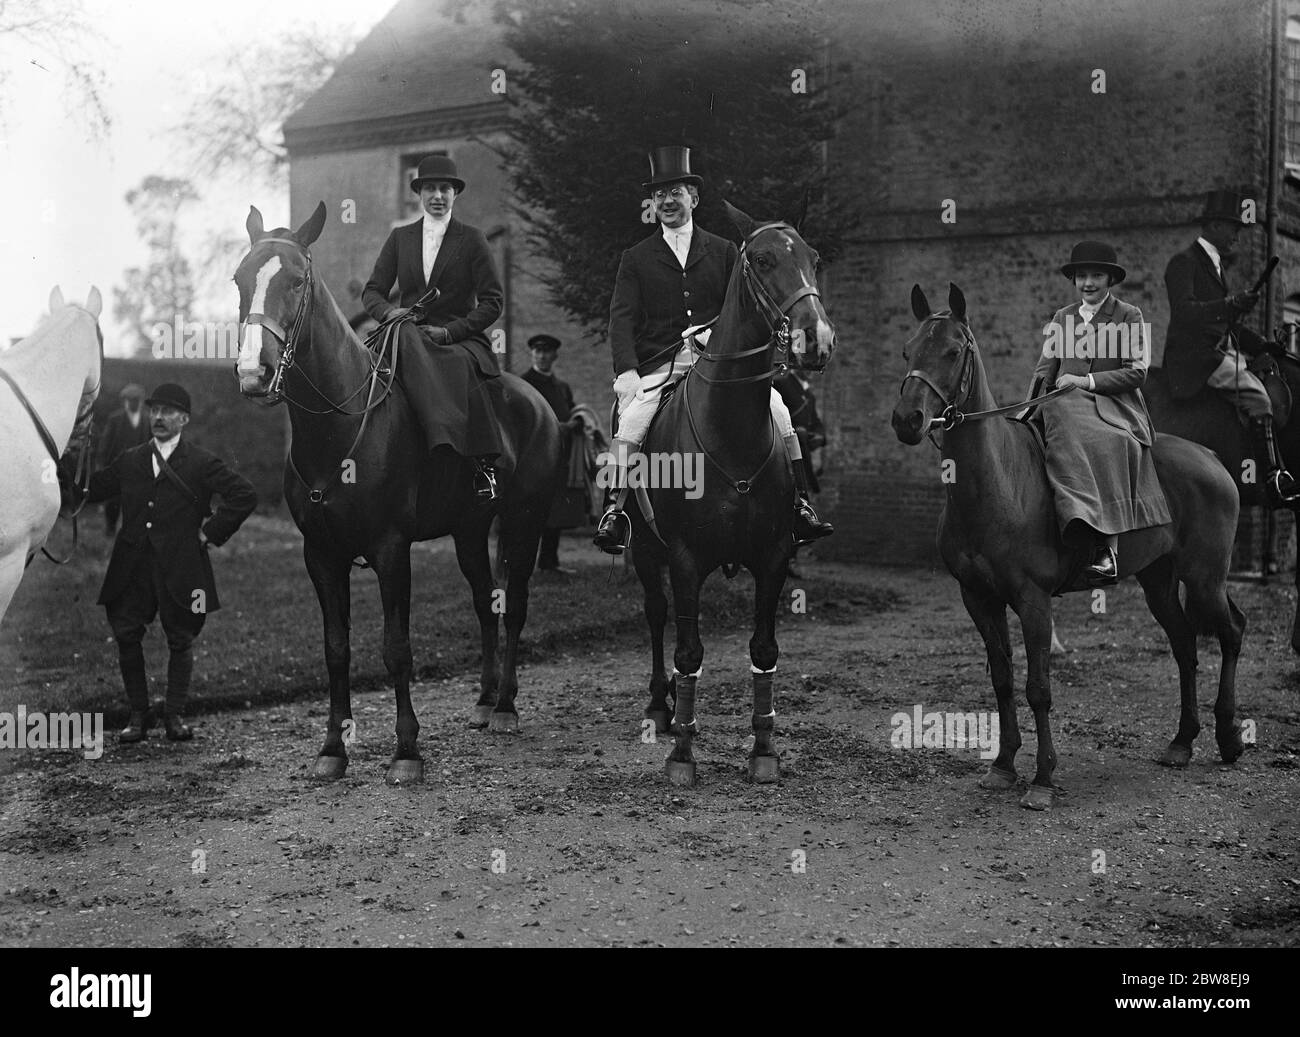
[(410, 201), (1291, 132)]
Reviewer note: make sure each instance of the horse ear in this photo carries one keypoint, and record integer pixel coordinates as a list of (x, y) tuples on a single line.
[(94, 302), (956, 302), (254, 225), (56, 299), (803, 210), (310, 230), (920, 306), (745, 224)]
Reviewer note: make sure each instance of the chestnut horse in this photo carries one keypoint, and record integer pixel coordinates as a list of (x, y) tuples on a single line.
[(743, 512), (372, 499), (999, 537)]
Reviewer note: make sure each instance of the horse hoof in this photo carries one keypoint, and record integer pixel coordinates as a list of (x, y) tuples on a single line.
[(662, 718), (680, 774), (764, 770), (1176, 755), (329, 768), (504, 724), (998, 780), (1037, 798), (482, 717), (405, 772), (1231, 750)]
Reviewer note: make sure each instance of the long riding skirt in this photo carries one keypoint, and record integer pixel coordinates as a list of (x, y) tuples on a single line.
[(445, 386), (1100, 474)]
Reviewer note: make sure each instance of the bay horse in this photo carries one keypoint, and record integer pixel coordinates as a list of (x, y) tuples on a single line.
[(48, 385), (360, 484), (999, 537), (743, 514), (1209, 418)]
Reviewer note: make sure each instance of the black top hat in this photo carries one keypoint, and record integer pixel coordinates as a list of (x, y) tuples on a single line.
[(1095, 254), (1225, 205), (671, 165), (437, 167), (170, 395), (543, 342)]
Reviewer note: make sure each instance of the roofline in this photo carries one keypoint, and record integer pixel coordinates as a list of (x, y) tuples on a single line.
[(398, 129)]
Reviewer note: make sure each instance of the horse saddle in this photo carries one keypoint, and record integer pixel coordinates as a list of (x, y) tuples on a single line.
[(1265, 368)]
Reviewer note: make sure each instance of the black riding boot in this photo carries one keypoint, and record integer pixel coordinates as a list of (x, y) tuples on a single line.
[(180, 666), (614, 531), (807, 526), (136, 682), (1281, 487)]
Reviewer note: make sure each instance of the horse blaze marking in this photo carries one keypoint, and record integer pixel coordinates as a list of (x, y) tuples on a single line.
[(499, 601), (1098, 80), (1248, 472), (198, 862), (798, 862), (1099, 862), (1248, 732), (498, 865), (648, 731), (799, 601), (199, 601)]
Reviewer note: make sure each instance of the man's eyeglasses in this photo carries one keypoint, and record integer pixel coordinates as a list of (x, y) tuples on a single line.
[(678, 193)]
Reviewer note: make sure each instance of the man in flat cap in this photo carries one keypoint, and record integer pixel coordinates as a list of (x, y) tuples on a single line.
[(674, 279), (124, 429), (569, 509), (1205, 341), (159, 564), (445, 271)]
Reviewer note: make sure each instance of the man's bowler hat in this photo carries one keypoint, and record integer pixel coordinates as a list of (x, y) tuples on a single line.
[(437, 167), (671, 165), (170, 395), (1095, 254), (1225, 205), (543, 342)]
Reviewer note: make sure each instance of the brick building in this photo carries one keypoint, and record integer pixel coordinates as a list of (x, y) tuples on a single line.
[(1038, 124)]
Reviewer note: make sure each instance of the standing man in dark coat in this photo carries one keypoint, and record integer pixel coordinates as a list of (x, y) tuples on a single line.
[(124, 429), (159, 564), (1205, 339), (673, 280), (443, 366), (555, 391)]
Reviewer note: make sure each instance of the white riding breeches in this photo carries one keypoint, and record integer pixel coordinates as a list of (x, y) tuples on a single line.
[(637, 408)]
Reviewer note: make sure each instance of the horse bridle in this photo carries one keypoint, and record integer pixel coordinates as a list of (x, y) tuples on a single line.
[(775, 315), (951, 416)]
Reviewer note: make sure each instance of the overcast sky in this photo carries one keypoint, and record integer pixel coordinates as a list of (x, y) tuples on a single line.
[(65, 218)]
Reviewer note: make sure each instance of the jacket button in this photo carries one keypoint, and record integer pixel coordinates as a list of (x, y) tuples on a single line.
[(148, 525), (151, 504)]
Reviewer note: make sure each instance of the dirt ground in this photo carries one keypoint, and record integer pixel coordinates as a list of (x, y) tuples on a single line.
[(569, 833)]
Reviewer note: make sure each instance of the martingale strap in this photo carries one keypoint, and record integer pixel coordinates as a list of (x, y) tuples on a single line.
[(51, 447)]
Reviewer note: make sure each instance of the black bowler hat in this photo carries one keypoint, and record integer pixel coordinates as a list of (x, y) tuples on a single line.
[(1225, 205), (671, 165), (1095, 254), (437, 167), (543, 342), (170, 395)]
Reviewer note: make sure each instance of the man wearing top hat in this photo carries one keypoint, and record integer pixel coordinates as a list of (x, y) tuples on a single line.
[(555, 391), (124, 429), (1205, 341), (159, 564), (446, 268), (674, 279)]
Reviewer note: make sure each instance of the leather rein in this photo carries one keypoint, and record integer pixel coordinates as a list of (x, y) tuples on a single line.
[(289, 342), (952, 415)]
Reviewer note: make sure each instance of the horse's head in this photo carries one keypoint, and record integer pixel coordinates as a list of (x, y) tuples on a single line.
[(780, 269), (275, 287), (940, 365)]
